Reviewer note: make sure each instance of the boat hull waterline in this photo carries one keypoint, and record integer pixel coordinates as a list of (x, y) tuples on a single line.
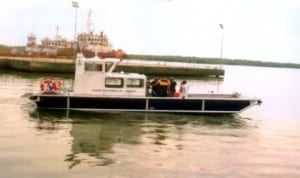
[(197, 105)]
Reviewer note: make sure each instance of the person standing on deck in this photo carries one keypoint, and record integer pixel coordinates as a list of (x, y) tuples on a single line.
[(172, 87), (184, 89)]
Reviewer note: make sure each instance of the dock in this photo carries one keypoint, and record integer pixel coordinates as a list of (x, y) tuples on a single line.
[(161, 68)]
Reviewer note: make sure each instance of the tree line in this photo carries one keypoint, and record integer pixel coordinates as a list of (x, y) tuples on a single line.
[(207, 60), (193, 59)]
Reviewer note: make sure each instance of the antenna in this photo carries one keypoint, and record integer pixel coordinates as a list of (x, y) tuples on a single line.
[(57, 32), (89, 22)]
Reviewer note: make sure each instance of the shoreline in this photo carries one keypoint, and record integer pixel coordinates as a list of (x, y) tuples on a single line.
[(163, 68), (216, 61)]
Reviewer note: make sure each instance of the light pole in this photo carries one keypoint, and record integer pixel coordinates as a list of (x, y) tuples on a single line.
[(222, 35), (75, 5), (221, 53)]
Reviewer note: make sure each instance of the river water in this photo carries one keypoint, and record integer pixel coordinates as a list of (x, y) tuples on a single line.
[(263, 141)]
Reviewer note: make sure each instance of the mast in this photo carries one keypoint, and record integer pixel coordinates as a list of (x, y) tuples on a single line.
[(57, 37), (89, 22)]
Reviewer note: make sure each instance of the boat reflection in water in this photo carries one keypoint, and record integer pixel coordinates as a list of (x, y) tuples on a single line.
[(112, 138)]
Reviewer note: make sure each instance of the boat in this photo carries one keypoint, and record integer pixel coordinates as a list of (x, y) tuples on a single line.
[(99, 87), (89, 42)]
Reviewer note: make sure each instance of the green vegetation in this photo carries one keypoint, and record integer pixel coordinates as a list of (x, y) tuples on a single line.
[(191, 59), (203, 60), (5, 47)]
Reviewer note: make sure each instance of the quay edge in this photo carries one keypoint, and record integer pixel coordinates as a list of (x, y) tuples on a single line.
[(173, 71), (49, 65), (46, 65)]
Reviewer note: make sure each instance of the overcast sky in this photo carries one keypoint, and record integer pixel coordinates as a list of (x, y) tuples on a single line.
[(267, 30)]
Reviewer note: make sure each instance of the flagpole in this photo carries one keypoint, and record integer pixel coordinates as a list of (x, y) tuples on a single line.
[(75, 5), (222, 36), (221, 54)]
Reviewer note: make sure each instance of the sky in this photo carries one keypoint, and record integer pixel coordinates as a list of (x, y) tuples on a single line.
[(266, 30)]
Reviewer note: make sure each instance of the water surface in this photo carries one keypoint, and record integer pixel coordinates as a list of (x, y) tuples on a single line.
[(264, 141)]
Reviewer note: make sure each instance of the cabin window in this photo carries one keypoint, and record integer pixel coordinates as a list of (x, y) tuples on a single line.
[(135, 83), (114, 82), (108, 65), (92, 66)]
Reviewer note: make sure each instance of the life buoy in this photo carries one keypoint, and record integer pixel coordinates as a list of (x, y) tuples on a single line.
[(50, 85), (164, 83)]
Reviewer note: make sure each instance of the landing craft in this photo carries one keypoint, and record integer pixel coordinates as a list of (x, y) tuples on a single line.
[(97, 87)]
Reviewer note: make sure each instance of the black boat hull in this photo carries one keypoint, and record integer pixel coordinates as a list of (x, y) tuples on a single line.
[(144, 104)]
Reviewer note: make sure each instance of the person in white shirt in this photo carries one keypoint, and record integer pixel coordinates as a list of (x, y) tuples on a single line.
[(184, 89)]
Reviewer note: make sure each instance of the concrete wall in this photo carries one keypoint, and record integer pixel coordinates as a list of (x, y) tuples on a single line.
[(37, 65), (172, 71), (68, 66)]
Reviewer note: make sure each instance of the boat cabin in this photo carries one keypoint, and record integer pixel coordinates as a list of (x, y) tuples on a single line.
[(94, 76)]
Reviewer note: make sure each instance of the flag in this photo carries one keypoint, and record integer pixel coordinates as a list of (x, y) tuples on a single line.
[(75, 4), (221, 26)]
